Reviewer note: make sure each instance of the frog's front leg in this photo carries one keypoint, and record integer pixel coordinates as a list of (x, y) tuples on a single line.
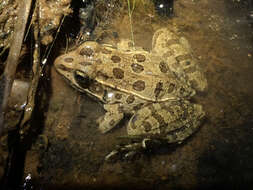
[(111, 118)]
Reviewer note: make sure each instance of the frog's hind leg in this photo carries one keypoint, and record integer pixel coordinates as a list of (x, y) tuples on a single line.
[(171, 46), (172, 120), (111, 118), (159, 123)]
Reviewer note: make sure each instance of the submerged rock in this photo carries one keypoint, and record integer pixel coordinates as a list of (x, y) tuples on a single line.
[(17, 103)]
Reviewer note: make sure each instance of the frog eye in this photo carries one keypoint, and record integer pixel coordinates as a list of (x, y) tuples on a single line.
[(82, 79)]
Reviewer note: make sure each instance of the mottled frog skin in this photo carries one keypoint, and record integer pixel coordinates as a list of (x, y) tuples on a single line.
[(169, 45), (154, 87)]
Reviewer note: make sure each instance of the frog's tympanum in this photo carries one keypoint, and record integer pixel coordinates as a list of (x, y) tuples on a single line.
[(153, 87)]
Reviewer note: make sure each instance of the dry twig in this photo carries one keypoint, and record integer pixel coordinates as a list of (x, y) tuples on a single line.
[(12, 61), (36, 69)]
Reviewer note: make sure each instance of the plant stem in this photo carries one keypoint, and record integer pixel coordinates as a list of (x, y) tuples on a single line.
[(130, 12)]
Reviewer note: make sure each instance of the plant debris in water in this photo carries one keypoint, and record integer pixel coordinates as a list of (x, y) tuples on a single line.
[(12, 60), (51, 13), (8, 18)]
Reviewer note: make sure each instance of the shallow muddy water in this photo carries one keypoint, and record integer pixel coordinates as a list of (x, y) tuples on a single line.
[(218, 154)]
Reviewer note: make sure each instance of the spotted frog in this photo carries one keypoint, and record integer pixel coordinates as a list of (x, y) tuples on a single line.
[(153, 87)]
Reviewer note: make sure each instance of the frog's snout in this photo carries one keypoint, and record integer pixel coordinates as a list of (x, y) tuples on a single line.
[(64, 64)]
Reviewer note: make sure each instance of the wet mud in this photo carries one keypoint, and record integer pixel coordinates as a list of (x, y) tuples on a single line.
[(70, 152)]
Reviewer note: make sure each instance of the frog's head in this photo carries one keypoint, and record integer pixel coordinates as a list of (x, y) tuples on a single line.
[(78, 68)]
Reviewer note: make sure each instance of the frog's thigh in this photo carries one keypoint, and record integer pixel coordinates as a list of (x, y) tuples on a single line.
[(146, 121), (187, 71), (189, 123), (192, 71), (111, 118), (173, 120), (181, 135), (173, 65)]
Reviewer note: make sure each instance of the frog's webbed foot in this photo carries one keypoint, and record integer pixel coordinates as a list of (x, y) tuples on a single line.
[(141, 145), (129, 151), (167, 123), (124, 152), (111, 118)]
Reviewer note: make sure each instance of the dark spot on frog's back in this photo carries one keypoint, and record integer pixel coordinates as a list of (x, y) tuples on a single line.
[(115, 59), (171, 88), (118, 96), (147, 126), (130, 99), (137, 68), (163, 67), (86, 51), (158, 89), (118, 73), (139, 85), (106, 51), (68, 59), (139, 57)]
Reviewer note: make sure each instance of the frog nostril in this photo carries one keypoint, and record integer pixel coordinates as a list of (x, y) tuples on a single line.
[(68, 59)]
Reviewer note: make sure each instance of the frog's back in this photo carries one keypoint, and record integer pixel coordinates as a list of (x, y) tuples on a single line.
[(139, 73)]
